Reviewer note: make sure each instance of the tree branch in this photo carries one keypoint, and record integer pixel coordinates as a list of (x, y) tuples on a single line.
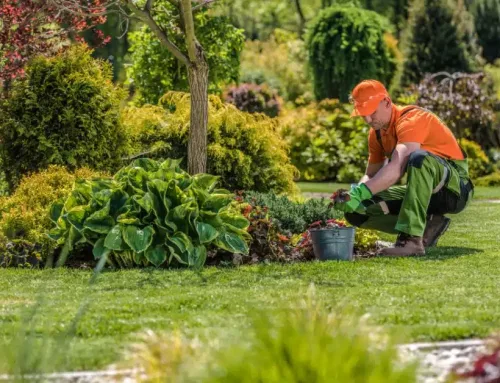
[(146, 17), (202, 4), (187, 15)]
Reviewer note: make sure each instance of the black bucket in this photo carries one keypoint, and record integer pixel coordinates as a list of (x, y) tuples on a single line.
[(333, 243)]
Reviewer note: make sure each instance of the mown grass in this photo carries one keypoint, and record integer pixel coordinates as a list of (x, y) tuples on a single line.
[(480, 192), (451, 293)]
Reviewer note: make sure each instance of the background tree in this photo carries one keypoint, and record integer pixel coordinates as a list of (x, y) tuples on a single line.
[(487, 22), (31, 27), (440, 37), (154, 70), (346, 45), (163, 22)]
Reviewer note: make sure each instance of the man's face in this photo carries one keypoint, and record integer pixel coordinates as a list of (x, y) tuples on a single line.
[(381, 118)]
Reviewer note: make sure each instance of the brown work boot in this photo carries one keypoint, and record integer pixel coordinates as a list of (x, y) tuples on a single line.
[(406, 245), (435, 228)]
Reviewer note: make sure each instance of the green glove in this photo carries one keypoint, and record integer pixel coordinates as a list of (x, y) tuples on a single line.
[(357, 194)]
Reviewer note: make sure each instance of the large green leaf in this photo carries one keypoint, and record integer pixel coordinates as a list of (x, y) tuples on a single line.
[(181, 242), (57, 234), (156, 255), (76, 216), (206, 232), (211, 218), (138, 239), (147, 164), (114, 240), (216, 202), (100, 225), (146, 201), (198, 257), (171, 164), (118, 200), (137, 179), (231, 242), (103, 196), (236, 220), (182, 258), (55, 211), (99, 249), (206, 182)]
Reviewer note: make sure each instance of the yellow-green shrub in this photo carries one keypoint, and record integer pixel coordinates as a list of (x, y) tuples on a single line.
[(479, 164), (25, 214), (492, 179), (325, 143), (245, 149)]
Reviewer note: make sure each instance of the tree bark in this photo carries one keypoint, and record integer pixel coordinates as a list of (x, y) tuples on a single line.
[(198, 85)]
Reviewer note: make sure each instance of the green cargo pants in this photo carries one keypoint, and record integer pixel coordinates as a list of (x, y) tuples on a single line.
[(434, 186)]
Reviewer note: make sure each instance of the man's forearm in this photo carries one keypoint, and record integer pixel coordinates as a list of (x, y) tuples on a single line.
[(365, 178), (385, 178)]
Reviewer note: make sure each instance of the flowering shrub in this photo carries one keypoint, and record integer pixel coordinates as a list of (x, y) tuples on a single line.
[(254, 98), (466, 103)]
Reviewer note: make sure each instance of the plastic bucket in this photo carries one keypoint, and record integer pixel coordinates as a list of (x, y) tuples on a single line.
[(333, 243)]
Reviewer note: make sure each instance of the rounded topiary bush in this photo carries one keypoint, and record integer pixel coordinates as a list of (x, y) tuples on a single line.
[(346, 45), (479, 163), (66, 112), (254, 98), (244, 149)]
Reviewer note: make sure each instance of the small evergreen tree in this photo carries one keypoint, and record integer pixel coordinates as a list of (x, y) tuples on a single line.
[(346, 45), (487, 22), (440, 37)]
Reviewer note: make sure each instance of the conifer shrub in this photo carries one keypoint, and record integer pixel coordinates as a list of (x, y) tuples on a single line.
[(346, 44), (244, 149), (65, 112)]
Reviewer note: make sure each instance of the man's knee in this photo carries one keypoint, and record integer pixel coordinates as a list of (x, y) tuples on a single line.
[(416, 158)]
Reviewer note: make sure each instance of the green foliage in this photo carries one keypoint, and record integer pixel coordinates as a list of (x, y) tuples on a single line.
[(309, 344), (254, 98), (290, 216), (280, 62), (357, 38), (24, 215), (244, 149), (20, 253), (150, 213), (65, 112), (440, 37), (479, 164), (487, 23), (154, 70), (492, 179), (325, 143)]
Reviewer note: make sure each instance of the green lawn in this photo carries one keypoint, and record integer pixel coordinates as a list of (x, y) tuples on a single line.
[(480, 192), (449, 294)]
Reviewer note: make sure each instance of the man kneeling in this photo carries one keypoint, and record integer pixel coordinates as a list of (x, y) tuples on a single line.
[(413, 141)]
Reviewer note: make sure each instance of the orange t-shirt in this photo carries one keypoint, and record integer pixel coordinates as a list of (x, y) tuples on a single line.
[(416, 125)]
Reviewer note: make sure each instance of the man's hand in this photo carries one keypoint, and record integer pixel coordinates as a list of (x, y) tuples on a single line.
[(357, 194)]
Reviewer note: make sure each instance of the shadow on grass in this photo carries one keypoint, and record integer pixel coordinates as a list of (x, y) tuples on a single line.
[(442, 253)]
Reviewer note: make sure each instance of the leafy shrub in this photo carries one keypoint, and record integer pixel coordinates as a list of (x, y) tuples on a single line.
[(440, 37), (357, 37), (24, 215), (466, 103), (293, 217), (244, 149), (65, 112), (20, 253), (479, 164), (254, 98), (486, 15), (492, 179), (281, 62), (154, 70), (325, 143), (150, 213)]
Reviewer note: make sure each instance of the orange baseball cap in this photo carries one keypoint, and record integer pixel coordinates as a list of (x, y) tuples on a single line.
[(366, 97)]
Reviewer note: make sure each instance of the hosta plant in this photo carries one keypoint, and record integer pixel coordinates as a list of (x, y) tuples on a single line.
[(150, 213)]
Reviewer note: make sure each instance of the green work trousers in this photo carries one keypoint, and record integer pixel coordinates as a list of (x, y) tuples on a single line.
[(404, 209)]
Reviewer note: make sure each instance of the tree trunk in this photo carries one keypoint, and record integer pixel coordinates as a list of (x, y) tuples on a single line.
[(198, 85)]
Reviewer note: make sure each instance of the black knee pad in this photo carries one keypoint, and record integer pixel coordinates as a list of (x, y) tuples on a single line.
[(416, 158), (355, 219)]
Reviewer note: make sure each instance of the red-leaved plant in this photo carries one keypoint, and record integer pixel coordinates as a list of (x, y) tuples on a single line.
[(486, 368)]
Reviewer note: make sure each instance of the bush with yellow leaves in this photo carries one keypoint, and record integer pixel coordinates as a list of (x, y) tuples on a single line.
[(24, 215), (245, 150)]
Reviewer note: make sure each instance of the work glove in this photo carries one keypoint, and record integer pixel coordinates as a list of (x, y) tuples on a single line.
[(356, 195)]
